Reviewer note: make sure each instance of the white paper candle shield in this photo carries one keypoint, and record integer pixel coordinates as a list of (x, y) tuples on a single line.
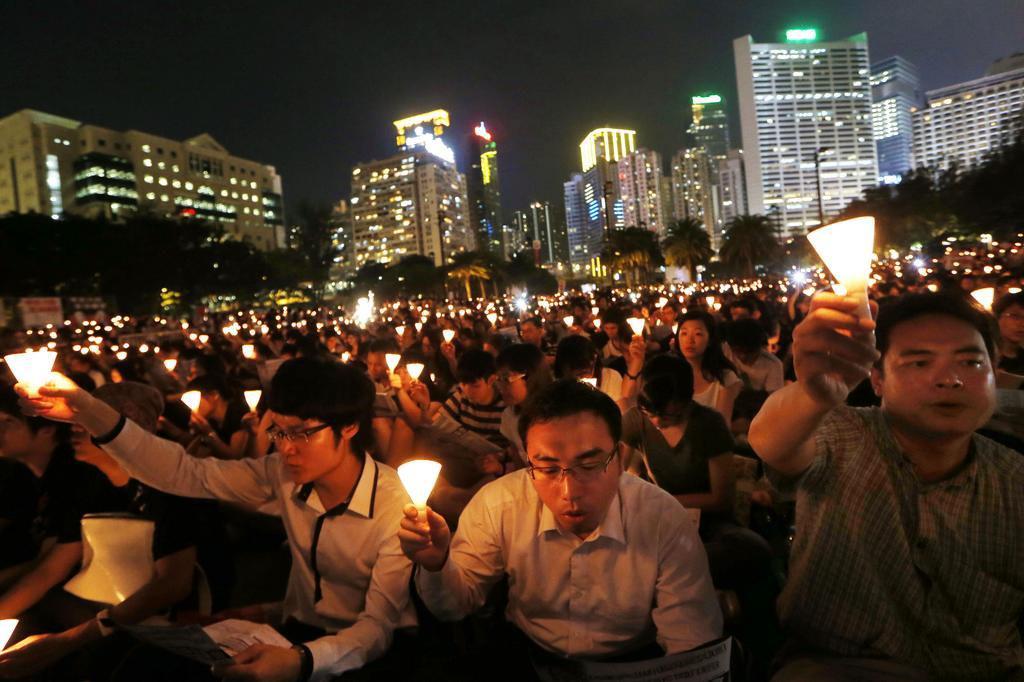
[(492, 318), (32, 369), (400, 330), (170, 364), (6, 630), (252, 399), (590, 380), (392, 359), (192, 399), (248, 351), (567, 320), (636, 324), (448, 334), (415, 369), (419, 476), (845, 248), (984, 297)]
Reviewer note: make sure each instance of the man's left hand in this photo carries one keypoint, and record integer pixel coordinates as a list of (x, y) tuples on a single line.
[(262, 663), (34, 654)]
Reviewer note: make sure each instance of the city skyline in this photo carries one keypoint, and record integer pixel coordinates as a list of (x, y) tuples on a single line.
[(325, 103)]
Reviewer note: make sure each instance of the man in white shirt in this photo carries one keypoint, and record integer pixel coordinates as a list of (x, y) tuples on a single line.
[(600, 564), (348, 587)]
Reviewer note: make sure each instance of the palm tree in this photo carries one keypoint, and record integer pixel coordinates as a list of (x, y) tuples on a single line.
[(749, 239), (465, 267), (687, 244), (633, 251)]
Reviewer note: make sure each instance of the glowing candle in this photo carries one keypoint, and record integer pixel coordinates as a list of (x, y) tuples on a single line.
[(492, 318), (567, 320), (252, 399), (419, 476), (392, 359), (636, 324), (6, 630), (590, 380), (400, 330), (32, 369), (846, 248), (985, 297), (249, 351), (170, 364), (192, 399), (448, 334), (415, 369)]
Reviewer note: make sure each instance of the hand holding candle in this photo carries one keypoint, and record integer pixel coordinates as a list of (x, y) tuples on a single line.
[(32, 370), (192, 399), (846, 248), (252, 399), (419, 476)]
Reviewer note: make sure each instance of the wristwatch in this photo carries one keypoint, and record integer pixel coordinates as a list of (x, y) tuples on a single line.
[(305, 662)]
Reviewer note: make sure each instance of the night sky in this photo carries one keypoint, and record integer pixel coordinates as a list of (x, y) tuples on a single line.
[(312, 87)]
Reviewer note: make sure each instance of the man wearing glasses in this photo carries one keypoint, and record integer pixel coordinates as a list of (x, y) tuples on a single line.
[(599, 565), (348, 586)]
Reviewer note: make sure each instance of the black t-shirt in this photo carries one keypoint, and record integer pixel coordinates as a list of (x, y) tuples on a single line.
[(69, 489), (177, 520), (19, 502), (1014, 365), (682, 469)]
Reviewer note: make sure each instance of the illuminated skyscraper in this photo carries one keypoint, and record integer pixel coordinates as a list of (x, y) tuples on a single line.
[(694, 190), (710, 127), (610, 144), (411, 203), (575, 218), (52, 165), (484, 192), (732, 187), (805, 108), (964, 123), (640, 190), (895, 91)]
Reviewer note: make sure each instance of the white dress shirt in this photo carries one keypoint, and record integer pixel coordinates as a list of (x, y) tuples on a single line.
[(641, 576), (354, 585)]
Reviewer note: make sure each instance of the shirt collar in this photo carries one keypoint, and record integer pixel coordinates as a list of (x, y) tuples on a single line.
[(890, 446), (364, 496)]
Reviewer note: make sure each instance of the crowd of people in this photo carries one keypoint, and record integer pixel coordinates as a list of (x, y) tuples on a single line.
[(625, 475)]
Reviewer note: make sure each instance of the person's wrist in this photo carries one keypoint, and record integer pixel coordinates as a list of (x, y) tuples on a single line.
[(304, 657)]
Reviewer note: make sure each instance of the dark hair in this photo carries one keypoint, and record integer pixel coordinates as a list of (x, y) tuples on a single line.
[(382, 346), (667, 380), (529, 360), (912, 306), (474, 364), (746, 335), (743, 303), (1006, 301), (565, 398), (215, 383), (713, 363), (328, 391), (574, 352), (9, 405), (535, 321)]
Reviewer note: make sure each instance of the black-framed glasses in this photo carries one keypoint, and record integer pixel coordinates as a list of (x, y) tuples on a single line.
[(276, 435), (584, 472)]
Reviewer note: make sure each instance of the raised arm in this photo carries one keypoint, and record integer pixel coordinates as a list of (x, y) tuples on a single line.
[(833, 351)]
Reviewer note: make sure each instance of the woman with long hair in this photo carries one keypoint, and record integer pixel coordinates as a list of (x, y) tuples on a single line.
[(715, 382)]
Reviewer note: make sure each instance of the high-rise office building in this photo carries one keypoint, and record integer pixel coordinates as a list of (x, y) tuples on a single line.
[(895, 91), (710, 126), (410, 203), (52, 165), (342, 240), (484, 191), (732, 187), (640, 190), (805, 108), (964, 123), (610, 144), (425, 131), (694, 190), (575, 218)]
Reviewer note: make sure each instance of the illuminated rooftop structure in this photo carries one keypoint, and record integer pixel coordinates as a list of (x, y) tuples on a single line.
[(425, 130), (610, 144)]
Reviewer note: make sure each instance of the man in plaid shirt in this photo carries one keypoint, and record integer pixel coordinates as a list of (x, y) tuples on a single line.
[(910, 527)]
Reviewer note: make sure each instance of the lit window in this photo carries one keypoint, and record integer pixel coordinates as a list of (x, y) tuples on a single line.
[(148, 178), (147, 162), (175, 168), (234, 181), (189, 185), (162, 181), (176, 184), (151, 196), (164, 197), (145, 147)]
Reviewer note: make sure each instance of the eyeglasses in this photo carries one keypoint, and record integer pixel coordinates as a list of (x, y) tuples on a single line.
[(665, 417), (584, 472), (506, 378), (276, 435)]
